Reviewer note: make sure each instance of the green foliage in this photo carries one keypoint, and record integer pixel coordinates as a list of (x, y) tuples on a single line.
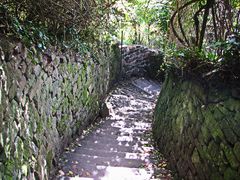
[(197, 47), (142, 21), (229, 49), (30, 34), (194, 43), (219, 61), (41, 23)]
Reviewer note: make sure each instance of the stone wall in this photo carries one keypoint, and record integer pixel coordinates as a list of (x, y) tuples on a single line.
[(46, 99), (198, 129), (139, 61)]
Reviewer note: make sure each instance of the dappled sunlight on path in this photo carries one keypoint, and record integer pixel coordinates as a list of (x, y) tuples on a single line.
[(120, 146)]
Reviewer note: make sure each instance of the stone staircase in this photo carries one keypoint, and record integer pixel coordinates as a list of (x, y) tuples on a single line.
[(118, 147)]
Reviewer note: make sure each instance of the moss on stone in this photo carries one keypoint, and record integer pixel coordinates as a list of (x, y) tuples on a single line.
[(229, 134), (231, 174), (62, 124), (179, 125), (218, 114), (215, 125), (203, 153), (236, 150), (216, 176), (237, 116), (49, 159), (206, 133), (215, 154), (230, 155), (232, 104), (195, 157)]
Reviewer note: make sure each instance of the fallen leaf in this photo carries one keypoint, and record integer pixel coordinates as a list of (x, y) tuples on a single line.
[(88, 174), (70, 173), (61, 173)]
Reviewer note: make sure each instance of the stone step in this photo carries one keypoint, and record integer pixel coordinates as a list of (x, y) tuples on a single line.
[(121, 142), (127, 131), (106, 173), (102, 153), (112, 146), (115, 138), (148, 83), (102, 129), (147, 86), (126, 124), (82, 160), (122, 126)]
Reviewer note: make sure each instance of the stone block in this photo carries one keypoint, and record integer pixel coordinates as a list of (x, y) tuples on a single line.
[(206, 134), (36, 88), (216, 176), (236, 150), (37, 70), (231, 158), (22, 83), (195, 157), (231, 174), (229, 134)]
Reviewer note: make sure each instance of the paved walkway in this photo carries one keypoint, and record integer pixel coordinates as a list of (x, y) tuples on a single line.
[(120, 146)]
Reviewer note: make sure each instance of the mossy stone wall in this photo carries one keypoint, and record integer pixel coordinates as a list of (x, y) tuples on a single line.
[(46, 99), (198, 129)]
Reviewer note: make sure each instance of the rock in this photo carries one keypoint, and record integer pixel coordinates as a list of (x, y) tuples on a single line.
[(104, 111), (22, 83), (236, 93), (55, 87), (236, 150), (36, 88), (230, 136), (34, 148), (55, 74), (231, 174), (137, 61), (23, 67), (195, 157), (230, 156), (216, 176), (12, 90), (37, 70)]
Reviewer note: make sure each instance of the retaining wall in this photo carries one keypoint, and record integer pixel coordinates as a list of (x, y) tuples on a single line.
[(46, 99), (198, 129)]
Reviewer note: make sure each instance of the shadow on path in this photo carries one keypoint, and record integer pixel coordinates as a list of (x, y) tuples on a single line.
[(120, 146)]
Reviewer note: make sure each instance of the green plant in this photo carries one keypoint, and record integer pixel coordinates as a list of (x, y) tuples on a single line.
[(31, 34), (47, 22)]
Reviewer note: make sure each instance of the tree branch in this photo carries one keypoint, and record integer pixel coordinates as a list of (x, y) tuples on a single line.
[(173, 17), (209, 4)]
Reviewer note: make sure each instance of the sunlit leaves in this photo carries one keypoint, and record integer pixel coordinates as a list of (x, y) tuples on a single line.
[(144, 20)]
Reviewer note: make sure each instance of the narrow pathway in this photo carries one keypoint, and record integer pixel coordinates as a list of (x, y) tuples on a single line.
[(120, 146)]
